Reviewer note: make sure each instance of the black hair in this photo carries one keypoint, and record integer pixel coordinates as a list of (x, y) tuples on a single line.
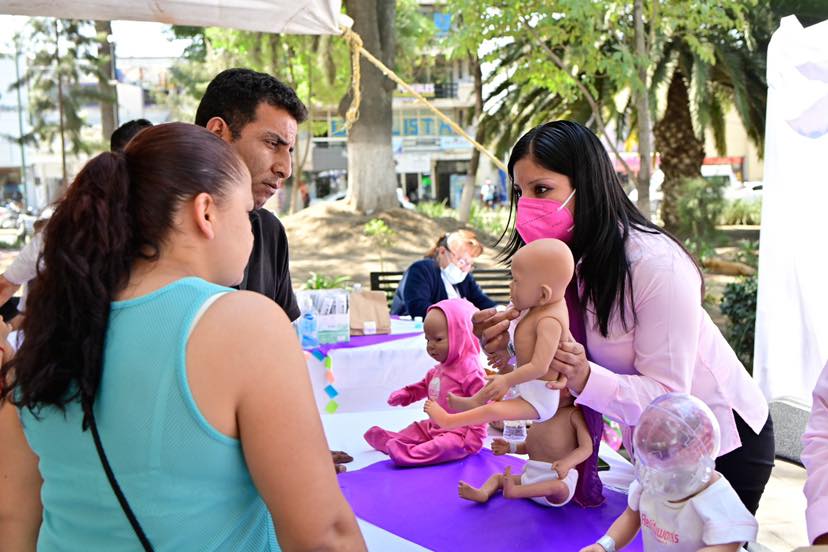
[(235, 94), (124, 133), (120, 208), (604, 214)]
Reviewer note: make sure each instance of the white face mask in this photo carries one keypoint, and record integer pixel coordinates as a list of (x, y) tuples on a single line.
[(454, 274)]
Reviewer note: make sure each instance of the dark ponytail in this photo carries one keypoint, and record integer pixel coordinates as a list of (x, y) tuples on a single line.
[(119, 208)]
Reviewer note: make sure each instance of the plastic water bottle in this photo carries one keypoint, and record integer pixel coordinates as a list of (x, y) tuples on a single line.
[(514, 430), (308, 330)]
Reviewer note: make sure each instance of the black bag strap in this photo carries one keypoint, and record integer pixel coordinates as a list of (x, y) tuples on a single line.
[(133, 521)]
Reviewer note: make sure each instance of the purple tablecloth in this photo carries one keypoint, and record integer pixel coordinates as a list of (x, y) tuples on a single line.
[(421, 505)]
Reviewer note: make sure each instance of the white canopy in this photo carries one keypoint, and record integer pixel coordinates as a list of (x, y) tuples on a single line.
[(792, 311), (272, 16)]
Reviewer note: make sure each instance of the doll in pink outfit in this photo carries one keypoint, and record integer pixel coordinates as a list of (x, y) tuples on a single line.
[(448, 332)]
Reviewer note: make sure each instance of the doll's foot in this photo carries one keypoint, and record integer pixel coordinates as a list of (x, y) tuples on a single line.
[(461, 404), (470, 493), (437, 414)]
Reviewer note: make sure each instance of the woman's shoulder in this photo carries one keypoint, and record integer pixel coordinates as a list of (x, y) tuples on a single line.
[(425, 264), (653, 248)]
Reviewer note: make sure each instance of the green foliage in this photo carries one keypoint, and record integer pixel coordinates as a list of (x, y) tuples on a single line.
[(699, 208), (382, 237), (481, 218), (77, 57), (593, 45), (414, 33), (739, 306), (320, 281), (741, 211), (489, 221), (317, 64), (432, 209), (748, 253)]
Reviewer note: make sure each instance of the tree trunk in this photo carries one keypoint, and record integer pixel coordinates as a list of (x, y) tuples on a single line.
[(642, 105), (106, 74), (372, 178), (474, 164), (682, 152), (61, 126)]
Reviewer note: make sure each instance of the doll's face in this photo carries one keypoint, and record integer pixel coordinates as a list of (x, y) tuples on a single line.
[(541, 270), (435, 327), (525, 289)]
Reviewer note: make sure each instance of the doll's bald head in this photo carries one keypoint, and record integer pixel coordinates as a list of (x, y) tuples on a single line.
[(541, 271)]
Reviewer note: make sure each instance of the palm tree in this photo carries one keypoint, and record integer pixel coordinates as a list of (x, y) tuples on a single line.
[(736, 78)]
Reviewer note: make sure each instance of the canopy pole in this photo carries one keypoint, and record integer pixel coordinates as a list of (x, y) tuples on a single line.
[(357, 49)]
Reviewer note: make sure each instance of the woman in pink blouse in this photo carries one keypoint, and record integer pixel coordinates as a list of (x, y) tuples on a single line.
[(815, 458), (646, 331)]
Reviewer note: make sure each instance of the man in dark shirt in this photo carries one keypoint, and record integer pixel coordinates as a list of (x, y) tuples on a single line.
[(259, 115)]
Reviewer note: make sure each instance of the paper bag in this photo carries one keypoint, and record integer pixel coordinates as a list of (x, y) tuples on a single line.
[(369, 313)]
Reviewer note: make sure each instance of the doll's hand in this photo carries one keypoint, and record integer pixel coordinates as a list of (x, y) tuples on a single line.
[(500, 446), (500, 361), (496, 388), (593, 548), (561, 469), (400, 397)]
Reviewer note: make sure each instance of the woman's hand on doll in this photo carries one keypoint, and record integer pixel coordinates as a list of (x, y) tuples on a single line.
[(492, 328), (571, 362), (400, 397), (500, 446), (496, 388), (500, 361)]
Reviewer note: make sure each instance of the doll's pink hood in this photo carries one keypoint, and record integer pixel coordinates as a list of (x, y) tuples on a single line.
[(463, 344)]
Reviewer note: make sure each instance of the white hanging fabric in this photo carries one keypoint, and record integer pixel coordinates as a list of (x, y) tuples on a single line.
[(271, 16), (792, 315)]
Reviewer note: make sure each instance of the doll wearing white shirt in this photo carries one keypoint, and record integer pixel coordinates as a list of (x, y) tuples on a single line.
[(678, 501)]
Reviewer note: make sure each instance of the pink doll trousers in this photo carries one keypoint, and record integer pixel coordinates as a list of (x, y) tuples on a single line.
[(424, 443)]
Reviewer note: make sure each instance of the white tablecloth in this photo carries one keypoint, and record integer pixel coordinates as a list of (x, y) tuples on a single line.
[(365, 376)]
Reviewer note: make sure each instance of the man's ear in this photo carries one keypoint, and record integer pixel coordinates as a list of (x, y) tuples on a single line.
[(203, 212), (220, 128)]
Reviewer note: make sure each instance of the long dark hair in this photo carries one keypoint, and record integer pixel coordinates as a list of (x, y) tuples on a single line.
[(120, 208), (604, 214)]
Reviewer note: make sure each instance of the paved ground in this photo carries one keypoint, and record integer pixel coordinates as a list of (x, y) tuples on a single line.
[(781, 512)]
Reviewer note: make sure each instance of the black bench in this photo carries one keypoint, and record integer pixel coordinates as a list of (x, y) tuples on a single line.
[(493, 281)]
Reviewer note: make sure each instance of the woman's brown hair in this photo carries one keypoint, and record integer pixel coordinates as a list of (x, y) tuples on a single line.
[(119, 208)]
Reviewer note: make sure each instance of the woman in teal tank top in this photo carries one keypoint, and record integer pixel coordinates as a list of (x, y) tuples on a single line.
[(198, 393)]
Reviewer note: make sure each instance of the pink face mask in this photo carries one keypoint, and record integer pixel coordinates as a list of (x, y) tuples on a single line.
[(544, 218)]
